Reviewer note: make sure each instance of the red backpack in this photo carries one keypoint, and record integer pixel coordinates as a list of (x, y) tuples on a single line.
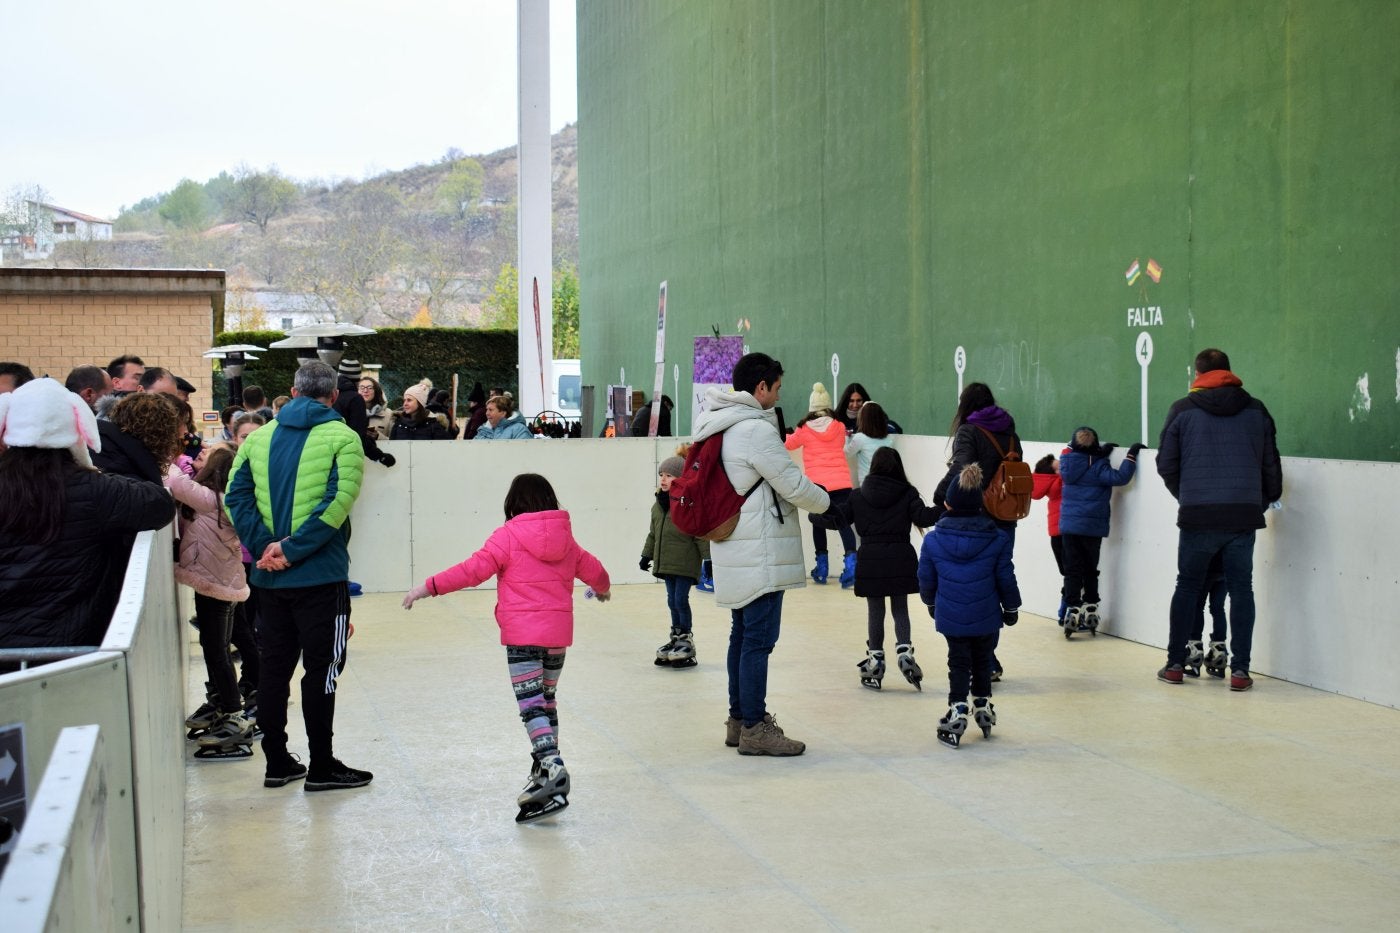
[(704, 503)]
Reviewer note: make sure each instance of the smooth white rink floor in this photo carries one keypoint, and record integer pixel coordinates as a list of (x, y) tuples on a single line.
[(1104, 799)]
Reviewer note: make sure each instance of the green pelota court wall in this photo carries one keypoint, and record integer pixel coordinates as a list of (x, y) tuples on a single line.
[(890, 181)]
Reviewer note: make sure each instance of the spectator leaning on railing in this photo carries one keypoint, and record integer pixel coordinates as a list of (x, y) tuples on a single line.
[(59, 574)]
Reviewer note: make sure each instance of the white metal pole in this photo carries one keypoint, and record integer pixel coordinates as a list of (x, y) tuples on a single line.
[(533, 220)]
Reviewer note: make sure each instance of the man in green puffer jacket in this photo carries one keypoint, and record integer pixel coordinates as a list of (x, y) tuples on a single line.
[(293, 484)]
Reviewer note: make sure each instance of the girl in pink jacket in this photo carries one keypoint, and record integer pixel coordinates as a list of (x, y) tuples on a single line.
[(211, 564), (535, 559), (822, 439)]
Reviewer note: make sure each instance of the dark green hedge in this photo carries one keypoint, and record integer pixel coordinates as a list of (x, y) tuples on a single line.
[(407, 353)]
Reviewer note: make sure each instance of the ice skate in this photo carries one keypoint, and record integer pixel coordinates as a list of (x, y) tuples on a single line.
[(848, 571), (1217, 659), (819, 572), (872, 669), (1089, 618), (682, 652), (202, 720), (707, 577), (909, 667), (546, 793), (1191, 667), (1071, 622), (230, 729), (984, 714), (663, 653), (224, 752), (953, 724)]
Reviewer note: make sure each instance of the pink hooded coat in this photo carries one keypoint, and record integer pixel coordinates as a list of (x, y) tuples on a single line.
[(823, 443), (211, 559), (536, 559)]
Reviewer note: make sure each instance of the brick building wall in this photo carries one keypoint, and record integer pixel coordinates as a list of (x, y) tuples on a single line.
[(55, 319)]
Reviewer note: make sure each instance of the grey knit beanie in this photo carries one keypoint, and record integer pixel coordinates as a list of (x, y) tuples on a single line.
[(671, 466)]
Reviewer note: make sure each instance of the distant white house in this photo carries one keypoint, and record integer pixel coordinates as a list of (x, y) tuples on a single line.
[(50, 225)]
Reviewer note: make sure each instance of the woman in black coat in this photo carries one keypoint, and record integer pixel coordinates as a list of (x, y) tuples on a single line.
[(882, 510), (61, 521)]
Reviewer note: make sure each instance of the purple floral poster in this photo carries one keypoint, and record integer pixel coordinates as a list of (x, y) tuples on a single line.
[(714, 367)]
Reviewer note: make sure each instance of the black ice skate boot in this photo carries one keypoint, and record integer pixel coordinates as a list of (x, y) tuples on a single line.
[(682, 652), (953, 724), (663, 653), (872, 669), (984, 714), (909, 667), (547, 792), (1191, 667), (1217, 659)]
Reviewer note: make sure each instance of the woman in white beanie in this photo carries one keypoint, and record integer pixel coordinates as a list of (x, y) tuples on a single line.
[(823, 440), (60, 574), (415, 422)]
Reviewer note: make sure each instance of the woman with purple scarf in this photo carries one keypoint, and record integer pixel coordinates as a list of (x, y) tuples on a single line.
[(978, 428)]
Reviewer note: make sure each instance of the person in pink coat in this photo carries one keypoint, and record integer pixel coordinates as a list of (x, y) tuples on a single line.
[(535, 559), (211, 564), (822, 439)]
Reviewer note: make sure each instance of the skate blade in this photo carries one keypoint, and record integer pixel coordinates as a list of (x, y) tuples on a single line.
[(949, 739), (661, 662), (538, 811), (688, 662), (224, 752), (870, 683)]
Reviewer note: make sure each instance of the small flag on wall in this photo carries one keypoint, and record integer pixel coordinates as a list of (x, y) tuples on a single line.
[(1154, 271), (1133, 272)]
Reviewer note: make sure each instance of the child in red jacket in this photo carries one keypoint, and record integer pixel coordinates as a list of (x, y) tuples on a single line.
[(535, 559), (1049, 486)]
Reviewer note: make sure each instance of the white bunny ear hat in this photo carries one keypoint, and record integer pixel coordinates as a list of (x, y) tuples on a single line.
[(42, 413)]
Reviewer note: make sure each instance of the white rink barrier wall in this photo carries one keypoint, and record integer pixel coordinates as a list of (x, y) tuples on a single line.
[(60, 877), (133, 691), (1326, 570)]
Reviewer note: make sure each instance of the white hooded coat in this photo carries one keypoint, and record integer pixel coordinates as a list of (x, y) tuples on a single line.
[(763, 555)]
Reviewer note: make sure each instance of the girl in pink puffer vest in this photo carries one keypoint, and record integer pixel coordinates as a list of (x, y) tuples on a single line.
[(535, 559)]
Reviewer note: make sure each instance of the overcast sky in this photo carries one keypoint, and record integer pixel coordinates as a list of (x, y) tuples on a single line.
[(107, 103)]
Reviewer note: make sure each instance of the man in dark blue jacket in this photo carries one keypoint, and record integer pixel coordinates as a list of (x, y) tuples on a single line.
[(1219, 458)]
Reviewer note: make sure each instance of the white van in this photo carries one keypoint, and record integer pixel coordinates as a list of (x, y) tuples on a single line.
[(567, 387)]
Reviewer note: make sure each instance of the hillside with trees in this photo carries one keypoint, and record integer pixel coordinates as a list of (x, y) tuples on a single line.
[(431, 244)]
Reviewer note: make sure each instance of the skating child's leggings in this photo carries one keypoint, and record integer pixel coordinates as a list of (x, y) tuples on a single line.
[(534, 673), (875, 619)]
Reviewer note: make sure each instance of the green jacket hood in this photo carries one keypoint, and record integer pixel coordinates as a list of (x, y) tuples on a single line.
[(304, 413)]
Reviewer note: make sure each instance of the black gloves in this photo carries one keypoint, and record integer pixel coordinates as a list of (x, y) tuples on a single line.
[(1010, 616), (1133, 451), (644, 563), (1106, 449), (387, 459)]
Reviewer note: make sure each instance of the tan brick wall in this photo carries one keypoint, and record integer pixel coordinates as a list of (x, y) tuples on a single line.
[(52, 333)]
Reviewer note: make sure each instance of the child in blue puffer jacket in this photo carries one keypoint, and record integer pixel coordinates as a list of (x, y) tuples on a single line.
[(967, 580), (1088, 479)]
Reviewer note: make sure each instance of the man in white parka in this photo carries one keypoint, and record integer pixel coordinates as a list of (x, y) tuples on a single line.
[(763, 556)]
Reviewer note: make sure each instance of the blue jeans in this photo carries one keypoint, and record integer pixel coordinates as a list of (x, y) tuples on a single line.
[(751, 640), (678, 600), (1194, 553)]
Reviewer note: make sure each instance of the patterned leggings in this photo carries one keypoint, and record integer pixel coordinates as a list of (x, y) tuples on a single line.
[(534, 673)]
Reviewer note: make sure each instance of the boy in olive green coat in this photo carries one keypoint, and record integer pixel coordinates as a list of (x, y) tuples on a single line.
[(675, 557)]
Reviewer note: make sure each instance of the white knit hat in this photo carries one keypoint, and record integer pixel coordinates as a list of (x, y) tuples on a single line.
[(820, 399), (419, 392), (42, 413)]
